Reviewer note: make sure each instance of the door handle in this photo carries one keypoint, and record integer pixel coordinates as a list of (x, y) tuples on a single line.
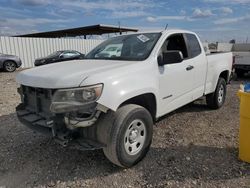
[(190, 67)]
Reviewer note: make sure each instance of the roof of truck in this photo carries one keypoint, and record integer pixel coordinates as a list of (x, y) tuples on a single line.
[(162, 31), (176, 31)]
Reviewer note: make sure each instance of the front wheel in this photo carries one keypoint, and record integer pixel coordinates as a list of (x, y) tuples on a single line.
[(9, 66), (216, 100), (130, 135)]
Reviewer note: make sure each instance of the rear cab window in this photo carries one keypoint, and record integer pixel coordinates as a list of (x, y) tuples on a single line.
[(193, 44)]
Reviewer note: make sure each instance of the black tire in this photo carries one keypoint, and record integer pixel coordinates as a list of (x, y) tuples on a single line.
[(216, 100), (114, 134), (9, 66), (240, 73)]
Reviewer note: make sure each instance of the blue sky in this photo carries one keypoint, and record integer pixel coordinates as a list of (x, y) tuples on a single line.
[(213, 20)]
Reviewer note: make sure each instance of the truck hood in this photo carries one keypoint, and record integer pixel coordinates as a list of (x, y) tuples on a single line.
[(65, 74)]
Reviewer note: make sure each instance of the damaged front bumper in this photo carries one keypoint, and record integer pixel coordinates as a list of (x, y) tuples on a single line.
[(67, 128)]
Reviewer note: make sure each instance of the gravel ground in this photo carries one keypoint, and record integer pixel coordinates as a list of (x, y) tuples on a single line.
[(192, 147)]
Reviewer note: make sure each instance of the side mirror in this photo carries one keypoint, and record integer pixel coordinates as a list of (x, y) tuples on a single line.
[(170, 57)]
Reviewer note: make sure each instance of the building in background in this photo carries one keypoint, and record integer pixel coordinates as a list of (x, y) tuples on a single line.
[(32, 46)]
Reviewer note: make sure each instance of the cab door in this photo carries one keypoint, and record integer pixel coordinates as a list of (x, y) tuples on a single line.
[(176, 81), (200, 64)]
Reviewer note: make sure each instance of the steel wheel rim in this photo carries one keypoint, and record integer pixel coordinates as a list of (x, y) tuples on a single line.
[(10, 66), (221, 94), (135, 137)]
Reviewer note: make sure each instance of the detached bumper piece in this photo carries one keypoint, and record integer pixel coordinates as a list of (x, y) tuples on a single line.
[(85, 144)]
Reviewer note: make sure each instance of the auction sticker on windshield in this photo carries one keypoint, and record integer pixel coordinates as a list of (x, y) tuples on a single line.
[(143, 38)]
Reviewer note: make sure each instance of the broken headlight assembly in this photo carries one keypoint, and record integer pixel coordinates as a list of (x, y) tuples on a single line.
[(66, 100)]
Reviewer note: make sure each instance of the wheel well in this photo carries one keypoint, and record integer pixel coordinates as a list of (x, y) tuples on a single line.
[(225, 75), (147, 101)]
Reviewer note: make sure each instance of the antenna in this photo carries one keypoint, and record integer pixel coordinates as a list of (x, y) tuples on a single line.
[(119, 24), (166, 27)]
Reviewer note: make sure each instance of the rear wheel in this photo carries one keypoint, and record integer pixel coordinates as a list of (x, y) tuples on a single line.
[(9, 66), (129, 135), (216, 100)]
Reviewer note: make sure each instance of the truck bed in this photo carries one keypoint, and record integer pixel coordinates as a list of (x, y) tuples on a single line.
[(217, 63)]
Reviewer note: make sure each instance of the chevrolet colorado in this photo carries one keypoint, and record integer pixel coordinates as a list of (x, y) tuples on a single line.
[(112, 102)]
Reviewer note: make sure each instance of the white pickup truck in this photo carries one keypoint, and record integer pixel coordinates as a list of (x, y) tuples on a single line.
[(113, 102)]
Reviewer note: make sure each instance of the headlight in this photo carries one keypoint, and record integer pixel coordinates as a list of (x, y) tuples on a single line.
[(65, 100), (42, 61)]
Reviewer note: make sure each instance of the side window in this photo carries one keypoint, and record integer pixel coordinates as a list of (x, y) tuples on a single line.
[(70, 54), (193, 45), (74, 53), (175, 42)]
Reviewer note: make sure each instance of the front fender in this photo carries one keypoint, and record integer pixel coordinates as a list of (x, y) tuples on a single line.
[(117, 92), (125, 83), (114, 100)]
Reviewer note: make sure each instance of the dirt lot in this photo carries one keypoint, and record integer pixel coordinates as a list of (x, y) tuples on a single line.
[(192, 147)]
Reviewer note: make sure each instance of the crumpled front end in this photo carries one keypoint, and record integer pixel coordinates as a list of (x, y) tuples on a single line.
[(66, 128)]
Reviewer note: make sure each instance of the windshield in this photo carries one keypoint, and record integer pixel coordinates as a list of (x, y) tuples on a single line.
[(133, 47)]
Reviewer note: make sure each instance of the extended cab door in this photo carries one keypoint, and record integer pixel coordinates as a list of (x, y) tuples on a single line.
[(176, 81), (199, 62)]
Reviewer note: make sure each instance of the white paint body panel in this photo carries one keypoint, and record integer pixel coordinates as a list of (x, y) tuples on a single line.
[(66, 74), (123, 80), (216, 65)]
